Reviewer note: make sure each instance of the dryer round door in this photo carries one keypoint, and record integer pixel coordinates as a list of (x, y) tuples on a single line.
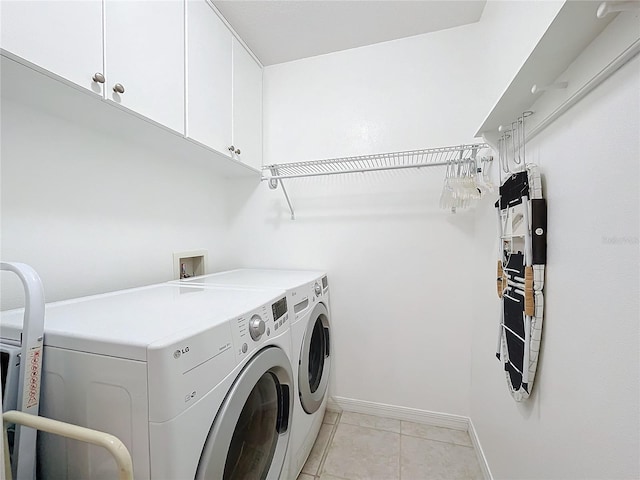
[(250, 434), (315, 360)]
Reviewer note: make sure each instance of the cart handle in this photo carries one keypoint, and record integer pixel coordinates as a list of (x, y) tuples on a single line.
[(113, 444)]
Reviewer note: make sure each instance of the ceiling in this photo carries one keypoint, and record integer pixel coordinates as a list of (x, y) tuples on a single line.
[(283, 30)]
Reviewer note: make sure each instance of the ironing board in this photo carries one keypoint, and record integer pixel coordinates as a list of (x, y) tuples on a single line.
[(522, 219)]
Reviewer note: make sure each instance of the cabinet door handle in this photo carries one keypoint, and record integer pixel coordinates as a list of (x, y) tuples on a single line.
[(238, 151), (98, 77), (118, 88), (232, 149)]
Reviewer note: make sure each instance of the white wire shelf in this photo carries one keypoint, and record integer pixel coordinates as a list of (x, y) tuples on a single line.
[(410, 159), (429, 157)]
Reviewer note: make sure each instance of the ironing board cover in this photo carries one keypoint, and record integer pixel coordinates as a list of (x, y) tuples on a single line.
[(522, 216)]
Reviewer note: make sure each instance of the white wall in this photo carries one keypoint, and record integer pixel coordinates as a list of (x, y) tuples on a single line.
[(94, 213), (400, 268), (582, 419), (424, 91)]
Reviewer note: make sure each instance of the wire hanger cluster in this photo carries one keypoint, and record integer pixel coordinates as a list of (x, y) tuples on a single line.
[(466, 181), (511, 146)]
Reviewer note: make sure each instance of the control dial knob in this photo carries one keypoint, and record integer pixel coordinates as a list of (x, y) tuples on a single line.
[(256, 327), (317, 289)]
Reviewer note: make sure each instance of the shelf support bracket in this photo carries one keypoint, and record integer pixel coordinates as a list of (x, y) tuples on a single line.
[(273, 184)]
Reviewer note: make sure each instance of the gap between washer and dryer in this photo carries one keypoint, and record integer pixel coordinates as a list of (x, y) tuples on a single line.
[(355, 446)]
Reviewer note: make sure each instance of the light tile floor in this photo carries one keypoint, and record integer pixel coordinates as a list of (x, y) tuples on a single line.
[(353, 446)]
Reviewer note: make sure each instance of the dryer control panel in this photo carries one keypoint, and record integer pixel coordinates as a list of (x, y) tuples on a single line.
[(307, 296)]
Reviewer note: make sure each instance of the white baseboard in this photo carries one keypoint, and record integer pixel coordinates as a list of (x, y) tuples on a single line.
[(436, 419), (482, 460), (332, 405), (456, 422)]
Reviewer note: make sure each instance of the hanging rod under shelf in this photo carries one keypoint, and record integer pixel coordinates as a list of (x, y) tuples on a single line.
[(428, 157)]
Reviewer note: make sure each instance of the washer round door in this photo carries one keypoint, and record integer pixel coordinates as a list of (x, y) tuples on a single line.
[(250, 434), (315, 360)]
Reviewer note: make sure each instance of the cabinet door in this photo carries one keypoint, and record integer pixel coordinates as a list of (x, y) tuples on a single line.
[(144, 45), (63, 37), (247, 106), (208, 77)]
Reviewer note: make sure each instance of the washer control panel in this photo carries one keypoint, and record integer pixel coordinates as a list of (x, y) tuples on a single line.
[(252, 330), (256, 327), (280, 312)]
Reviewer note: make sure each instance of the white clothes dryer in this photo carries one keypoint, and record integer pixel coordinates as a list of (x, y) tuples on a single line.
[(196, 382), (308, 298)]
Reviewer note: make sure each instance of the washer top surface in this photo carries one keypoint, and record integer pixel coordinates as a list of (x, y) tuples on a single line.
[(250, 277), (128, 322)]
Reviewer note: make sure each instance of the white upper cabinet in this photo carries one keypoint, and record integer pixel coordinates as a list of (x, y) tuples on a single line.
[(247, 106), (63, 37), (224, 88), (175, 62), (144, 56), (208, 77), (141, 48)]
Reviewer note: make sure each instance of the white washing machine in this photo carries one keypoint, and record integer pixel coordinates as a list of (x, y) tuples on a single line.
[(308, 297), (196, 382)]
